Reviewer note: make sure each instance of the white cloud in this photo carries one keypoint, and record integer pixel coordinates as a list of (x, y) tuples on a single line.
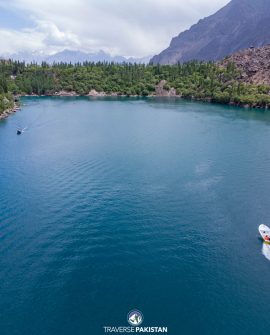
[(127, 27), (56, 38), (44, 37)]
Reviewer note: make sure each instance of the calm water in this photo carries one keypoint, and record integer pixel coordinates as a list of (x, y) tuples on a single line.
[(110, 205)]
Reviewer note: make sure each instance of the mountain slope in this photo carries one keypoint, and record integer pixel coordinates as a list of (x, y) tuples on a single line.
[(253, 63), (238, 25)]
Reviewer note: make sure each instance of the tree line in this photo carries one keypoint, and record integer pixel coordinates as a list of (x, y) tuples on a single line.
[(193, 80)]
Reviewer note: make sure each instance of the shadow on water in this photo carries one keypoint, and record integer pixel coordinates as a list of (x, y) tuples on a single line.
[(226, 111), (175, 104)]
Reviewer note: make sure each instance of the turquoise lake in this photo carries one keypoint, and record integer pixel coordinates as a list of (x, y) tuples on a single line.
[(109, 205)]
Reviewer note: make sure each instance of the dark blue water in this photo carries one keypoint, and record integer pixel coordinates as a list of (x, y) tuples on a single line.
[(110, 205)]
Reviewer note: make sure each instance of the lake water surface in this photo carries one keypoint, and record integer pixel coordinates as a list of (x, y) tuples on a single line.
[(109, 205)]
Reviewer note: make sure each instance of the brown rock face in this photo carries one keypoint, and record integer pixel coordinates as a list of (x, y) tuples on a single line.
[(66, 94), (254, 64), (238, 25), (94, 93), (162, 91)]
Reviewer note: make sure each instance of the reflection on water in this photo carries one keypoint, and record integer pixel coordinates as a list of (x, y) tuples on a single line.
[(266, 250)]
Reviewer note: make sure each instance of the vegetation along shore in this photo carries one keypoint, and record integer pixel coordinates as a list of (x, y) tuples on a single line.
[(7, 105), (237, 80)]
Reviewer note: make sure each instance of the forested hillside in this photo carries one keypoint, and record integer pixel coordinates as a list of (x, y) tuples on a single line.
[(6, 102), (196, 80)]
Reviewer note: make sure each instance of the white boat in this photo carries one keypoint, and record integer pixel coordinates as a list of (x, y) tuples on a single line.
[(266, 250), (265, 233)]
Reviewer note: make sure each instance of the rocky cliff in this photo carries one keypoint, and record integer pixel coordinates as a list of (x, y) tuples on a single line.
[(253, 63), (238, 25)]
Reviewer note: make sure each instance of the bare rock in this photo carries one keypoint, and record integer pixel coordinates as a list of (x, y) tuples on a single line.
[(66, 94), (94, 93), (162, 91), (254, 64)]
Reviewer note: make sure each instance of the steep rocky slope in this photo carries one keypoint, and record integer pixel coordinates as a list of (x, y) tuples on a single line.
[(254, 64), (238, 25)]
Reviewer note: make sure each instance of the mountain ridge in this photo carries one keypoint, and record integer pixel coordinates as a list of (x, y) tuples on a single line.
[(74, 56), (236, 26)]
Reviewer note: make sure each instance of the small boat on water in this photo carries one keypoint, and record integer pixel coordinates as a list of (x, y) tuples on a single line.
[(265, 233), (20, 131), (266, 250)]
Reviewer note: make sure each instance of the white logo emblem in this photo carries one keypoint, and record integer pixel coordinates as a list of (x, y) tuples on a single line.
[(135, 318)]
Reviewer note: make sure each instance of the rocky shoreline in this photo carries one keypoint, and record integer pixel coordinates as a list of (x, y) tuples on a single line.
[(9, 111), (161, 90), (162, 94)]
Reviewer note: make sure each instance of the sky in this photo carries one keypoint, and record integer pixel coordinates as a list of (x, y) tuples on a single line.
[(136, 28)]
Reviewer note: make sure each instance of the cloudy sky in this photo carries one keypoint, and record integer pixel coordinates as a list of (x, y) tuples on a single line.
[(123, 27)]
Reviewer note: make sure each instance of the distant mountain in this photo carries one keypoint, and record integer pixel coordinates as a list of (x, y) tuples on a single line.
[(78, 56), (70, 56), (238, 25), (27, 57)]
